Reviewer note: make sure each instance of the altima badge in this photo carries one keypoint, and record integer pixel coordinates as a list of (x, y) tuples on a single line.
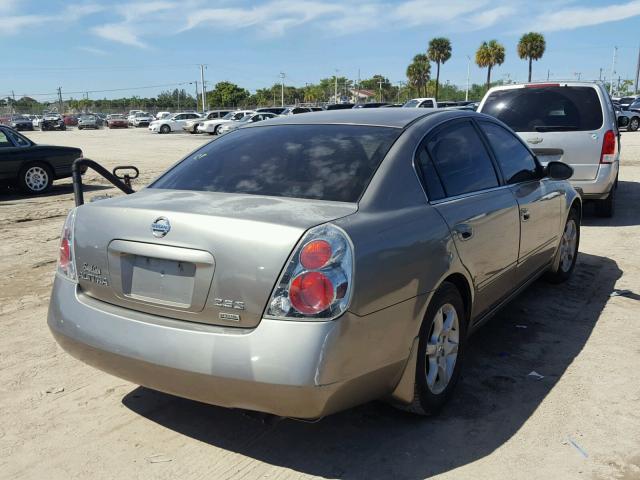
[(160, 227)]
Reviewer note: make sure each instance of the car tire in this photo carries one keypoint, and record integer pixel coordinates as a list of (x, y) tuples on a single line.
[(564, 261), (634, 124), (79, 128), (63, 127), (35, 178), (165, 129), (441, 348), (606, 208), (216, 131)]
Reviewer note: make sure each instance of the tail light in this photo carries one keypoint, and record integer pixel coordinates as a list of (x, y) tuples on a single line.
[(318, 278), (609, 147), (66, 256)]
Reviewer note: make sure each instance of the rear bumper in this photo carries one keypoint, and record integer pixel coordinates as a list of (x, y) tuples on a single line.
[(293, 369), (600, 187)]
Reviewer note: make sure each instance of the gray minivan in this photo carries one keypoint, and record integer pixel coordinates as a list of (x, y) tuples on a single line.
[(571, 122)]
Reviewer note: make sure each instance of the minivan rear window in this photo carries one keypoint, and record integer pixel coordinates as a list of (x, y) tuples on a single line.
[(546, 108), (321, 162)]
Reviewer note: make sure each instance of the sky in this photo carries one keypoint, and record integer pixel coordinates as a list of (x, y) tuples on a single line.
[(122, 48)]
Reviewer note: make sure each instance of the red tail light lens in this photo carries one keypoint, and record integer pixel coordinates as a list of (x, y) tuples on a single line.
[(609, 147), (311, 293), (65, 254), (317, 281), (315, 254), (66, 257)]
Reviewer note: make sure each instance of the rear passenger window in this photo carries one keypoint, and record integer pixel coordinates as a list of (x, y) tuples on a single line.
[(461, 159), (429, 175), (516, 162), (427, 104)]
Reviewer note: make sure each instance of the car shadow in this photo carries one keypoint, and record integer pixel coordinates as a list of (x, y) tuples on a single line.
[(626, 213), (11, 193), (541, 331)]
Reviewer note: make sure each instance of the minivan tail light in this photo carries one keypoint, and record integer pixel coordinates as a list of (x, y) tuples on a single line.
[(66, 254), (317, 282), (609, 147)]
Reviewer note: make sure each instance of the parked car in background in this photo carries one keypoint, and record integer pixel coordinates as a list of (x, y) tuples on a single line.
[(21, 122), (421, 103), (117, 121), (572, 122), (371, 105), (88, 121), (635, 106), (633, 118), (70, 120), (246, 120), (36, 121), (212, 127), (191, 126), (276, 110), (161, 115), (131, 116), (142, 119), (355, 252), (32, 167), (625, 102), (52, 121), (173, 123), (295, 110), (339, 106)]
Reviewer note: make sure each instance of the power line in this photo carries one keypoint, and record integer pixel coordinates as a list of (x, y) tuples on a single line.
[(82, 92)]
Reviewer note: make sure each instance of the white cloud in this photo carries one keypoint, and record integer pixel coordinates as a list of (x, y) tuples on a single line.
[(93, 50), (576, 17), (121, 33), (434, 12), (12, 24)]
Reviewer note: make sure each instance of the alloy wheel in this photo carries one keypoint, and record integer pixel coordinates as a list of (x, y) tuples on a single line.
[(568, 245), (442, 348), (36, 179)]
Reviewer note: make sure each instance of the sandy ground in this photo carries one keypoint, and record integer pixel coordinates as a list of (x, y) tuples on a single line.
[(60, 419)]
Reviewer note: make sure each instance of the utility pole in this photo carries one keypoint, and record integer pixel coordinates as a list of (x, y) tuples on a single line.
[(13, 105), (60, 100), (282, 75), (618, 88), (637, 72), (578, 75), (204, 90), (613, 70), (600, 76), (358, 89), (196, 82), (466, 95), (548, 74), (380, 85)]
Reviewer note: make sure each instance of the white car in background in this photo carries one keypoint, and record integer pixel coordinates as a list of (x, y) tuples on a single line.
[(173, 123), (212, 127), (427, 102), (36, 121), (246, 120), (142, 119), (162, 115)]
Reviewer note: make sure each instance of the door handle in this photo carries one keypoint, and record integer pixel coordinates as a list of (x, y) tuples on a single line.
[(524, 213), (464, 231)]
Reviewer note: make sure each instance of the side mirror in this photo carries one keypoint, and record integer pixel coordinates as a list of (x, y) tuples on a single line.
[(558, 171), (623, 121)]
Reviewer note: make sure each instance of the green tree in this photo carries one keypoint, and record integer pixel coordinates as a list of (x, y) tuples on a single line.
[(419, 73), (531, 47), (227, 94), (490, 54), (439, 51)]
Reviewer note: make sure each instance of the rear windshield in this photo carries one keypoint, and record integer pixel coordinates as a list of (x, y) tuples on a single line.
[(546, 109), (321, 162)]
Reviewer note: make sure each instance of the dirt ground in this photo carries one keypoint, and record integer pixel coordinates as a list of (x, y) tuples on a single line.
[(60, 419)]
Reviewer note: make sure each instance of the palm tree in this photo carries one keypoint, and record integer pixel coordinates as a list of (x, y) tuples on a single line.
[(439, 51), (419, 72), (489, 55), (531, 46)]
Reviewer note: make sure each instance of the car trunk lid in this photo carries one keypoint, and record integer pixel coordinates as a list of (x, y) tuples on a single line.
[(211, 257)]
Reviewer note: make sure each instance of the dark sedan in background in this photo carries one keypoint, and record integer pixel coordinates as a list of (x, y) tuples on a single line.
[(32, 167), (20, 122)]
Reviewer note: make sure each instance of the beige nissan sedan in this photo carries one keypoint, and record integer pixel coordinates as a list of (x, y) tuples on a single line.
[(306, 264)]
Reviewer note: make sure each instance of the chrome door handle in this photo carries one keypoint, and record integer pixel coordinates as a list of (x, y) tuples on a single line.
[(464, 231), (524, 213)]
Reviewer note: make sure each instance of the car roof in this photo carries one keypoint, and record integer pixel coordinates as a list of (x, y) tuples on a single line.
[(385, 117)]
